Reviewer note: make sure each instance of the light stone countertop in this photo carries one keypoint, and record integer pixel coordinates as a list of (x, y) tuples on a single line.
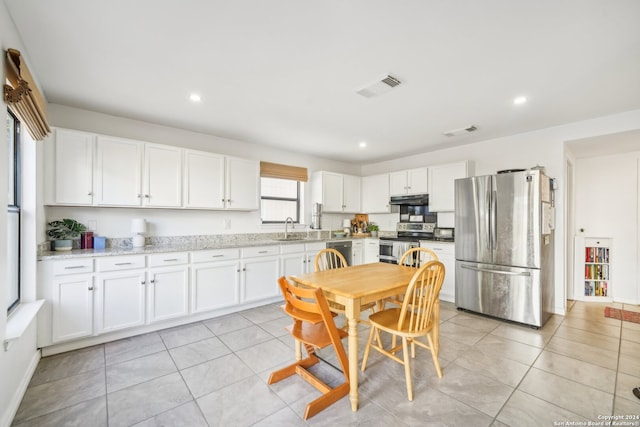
[(183, 244)]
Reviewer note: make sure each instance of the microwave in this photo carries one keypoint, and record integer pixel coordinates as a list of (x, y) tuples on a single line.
[(445, 234)]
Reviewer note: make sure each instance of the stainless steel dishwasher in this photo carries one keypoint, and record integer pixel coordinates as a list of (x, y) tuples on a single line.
[(344, 247)]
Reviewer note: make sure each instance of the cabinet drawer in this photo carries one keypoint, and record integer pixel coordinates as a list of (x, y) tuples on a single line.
[(214, 255), (260, 251), (292, 248), (73, 266), (121, 263), (315, 246), (174, 258), (441, 249)]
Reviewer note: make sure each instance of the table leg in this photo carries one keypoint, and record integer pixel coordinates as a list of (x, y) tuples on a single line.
[(352, 313)]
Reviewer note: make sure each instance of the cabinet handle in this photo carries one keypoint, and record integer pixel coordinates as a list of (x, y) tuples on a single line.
[(222, 200), (217, 256), (71, 267), (244, 269), (171, 259), (147, 196), (138, 196), (238, 271), (229, 201), (90, 288), (263, 252), (90, 193), (123, 263), (143, 283), (152, 281)]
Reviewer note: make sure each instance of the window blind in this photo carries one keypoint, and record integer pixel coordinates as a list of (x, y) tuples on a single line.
[(23, 97), (275, 170)]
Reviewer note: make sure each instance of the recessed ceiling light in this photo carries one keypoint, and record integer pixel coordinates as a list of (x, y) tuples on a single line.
[(519, 100), (195, 97), (363, 144)]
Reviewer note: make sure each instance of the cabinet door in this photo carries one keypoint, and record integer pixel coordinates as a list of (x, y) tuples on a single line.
[(203, 180), (72, 307), (120, 300), (351, 194), (259, 278), (332, 192), (398, 183), (292, 264), (118, 172), (162, 176), (417, 180), (357, 253), (371, 250), (375, 194), (446, 255), (442, 187), (243, 178), (73, 165), (214, 285), (168, 293)]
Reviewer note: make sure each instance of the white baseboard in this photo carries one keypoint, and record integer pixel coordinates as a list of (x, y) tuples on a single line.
[(16, 399)]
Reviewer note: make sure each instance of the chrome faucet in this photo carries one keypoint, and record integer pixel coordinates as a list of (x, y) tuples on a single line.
[(286, 230)]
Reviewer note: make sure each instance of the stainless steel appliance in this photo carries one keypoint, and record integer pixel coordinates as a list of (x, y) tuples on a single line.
[(344, 247), (413, 208), (408, 236), (443, 234), (504, 246), (316, 216)]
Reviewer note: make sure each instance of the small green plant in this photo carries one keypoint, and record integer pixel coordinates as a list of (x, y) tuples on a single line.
[(373, 227), (65, 229)]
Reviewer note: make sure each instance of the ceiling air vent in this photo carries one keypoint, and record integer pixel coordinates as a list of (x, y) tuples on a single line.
[(460, 131), (384, 85)]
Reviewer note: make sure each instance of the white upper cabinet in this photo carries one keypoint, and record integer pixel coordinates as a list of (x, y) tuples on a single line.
[(162, 176), (242, 184), (412, 181), (70, 176), (375, 194), (336, 192), (441, 185), (204, 180), (118, 172)]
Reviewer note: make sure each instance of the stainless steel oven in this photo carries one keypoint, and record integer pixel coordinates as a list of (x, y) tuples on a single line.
[(408, 236)]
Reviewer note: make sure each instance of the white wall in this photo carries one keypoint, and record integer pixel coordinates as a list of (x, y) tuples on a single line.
[(544, 147), (607, 206), (16, 364)]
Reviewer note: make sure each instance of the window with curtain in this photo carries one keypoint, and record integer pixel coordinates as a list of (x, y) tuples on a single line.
[(280, 192), (13, 211)]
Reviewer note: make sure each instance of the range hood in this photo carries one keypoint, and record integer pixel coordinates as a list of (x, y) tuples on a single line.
[(413, 200)]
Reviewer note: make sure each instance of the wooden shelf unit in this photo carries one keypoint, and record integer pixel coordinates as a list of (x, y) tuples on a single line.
[(592, 268)]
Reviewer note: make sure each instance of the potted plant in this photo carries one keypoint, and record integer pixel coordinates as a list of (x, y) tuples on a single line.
[(373, 229), (63, 231)]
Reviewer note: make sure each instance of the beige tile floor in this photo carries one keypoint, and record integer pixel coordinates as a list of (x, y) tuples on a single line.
[(581, 367)]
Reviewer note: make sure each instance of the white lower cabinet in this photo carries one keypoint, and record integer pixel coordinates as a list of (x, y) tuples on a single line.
[(371, 250), (357, 252), (168, 287), (446, 255), (120, 293), (259, 273), (72, 307), (215, 279)]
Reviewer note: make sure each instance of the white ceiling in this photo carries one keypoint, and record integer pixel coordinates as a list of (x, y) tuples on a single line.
[(284, 73)]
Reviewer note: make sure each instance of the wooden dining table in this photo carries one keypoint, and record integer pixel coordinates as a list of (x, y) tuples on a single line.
[(353, 287)]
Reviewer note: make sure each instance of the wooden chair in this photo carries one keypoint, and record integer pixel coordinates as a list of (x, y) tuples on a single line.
[(418, 317), (314, 327), (328, 259), (414, 257)]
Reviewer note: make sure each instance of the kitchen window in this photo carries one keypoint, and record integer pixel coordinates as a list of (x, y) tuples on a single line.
[(13, 211), (279, 199)]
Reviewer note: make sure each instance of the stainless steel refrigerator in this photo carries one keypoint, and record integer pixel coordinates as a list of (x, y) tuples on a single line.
[(504, 246)]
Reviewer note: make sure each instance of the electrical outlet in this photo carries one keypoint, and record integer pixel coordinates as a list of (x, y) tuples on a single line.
[(92, 225), (227, 224)]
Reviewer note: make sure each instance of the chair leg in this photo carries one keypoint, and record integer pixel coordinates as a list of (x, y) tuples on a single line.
[(367, 348), (434, 355), (407, 367)]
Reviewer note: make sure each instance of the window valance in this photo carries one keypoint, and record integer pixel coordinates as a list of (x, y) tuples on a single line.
[(275, 170), (23, 97)]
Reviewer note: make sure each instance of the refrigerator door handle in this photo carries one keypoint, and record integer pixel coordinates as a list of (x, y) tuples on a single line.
[(490, 270), (492, 221)]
